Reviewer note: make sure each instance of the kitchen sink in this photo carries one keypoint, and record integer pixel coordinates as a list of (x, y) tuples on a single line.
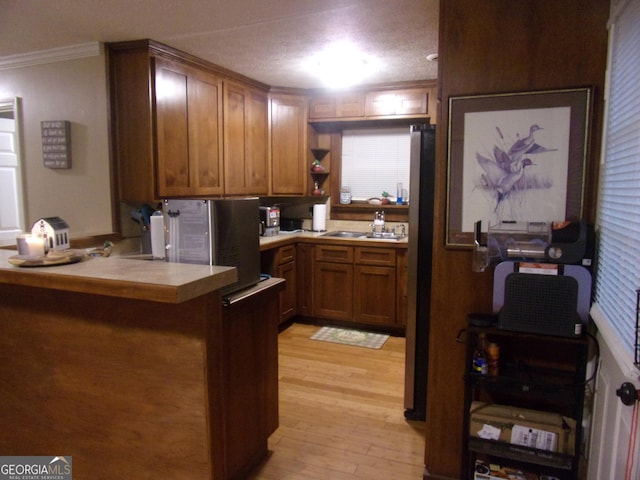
[(386, 235), (345, 234), (350, 234)]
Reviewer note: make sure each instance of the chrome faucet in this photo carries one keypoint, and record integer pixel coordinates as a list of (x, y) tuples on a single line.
[(378, 223)]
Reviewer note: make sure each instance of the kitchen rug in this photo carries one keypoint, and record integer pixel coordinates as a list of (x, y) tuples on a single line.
[(346, 336)]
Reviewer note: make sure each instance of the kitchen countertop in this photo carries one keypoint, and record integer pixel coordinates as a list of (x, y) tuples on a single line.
[(284, 238), (130, 277), (119, 276)]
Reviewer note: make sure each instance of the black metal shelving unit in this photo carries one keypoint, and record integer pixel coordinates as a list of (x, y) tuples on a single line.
[(538, 372)]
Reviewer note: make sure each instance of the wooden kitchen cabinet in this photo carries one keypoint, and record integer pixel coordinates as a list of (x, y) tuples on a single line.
[(304, 267), (356, 284), (332, 293), (286, 268), (289, 165), (245, 140), (166, 124), (182, 126), (349, 105), (188, 130), (281, 262), (415, 101), (374, 288), (132, 131), (333, 282), (374, 295), (397, 102)]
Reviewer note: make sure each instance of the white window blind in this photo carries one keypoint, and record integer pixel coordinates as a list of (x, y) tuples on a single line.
[(375, 160), (618, 266)]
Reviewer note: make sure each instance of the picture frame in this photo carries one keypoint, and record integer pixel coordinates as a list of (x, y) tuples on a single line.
[(515, 157)]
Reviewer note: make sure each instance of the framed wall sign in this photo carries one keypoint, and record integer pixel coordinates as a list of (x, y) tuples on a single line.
[(56, 143), (515, 157)]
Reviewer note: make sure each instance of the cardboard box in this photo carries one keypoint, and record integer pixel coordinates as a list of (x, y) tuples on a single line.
[(519, 426), (491, 471)]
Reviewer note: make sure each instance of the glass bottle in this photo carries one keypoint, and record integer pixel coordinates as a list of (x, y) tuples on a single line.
[(480, 363)]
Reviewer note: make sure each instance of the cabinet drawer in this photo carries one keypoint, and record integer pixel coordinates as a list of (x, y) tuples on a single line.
[(375, 256), (334, 253), (286, 254)]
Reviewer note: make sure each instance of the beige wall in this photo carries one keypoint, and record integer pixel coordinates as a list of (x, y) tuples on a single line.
[(73, 90)]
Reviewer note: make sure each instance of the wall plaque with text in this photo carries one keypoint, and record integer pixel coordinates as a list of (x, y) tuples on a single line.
[(56, 143)]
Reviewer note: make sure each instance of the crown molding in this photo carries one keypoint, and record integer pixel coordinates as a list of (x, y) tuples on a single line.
[(52, 55)]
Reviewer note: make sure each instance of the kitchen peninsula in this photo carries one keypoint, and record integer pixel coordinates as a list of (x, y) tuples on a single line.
[(135, 369)]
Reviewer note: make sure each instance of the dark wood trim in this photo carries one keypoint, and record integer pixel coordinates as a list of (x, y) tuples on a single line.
[(94, 240), (364, 211), (371, 122), (480, 53)]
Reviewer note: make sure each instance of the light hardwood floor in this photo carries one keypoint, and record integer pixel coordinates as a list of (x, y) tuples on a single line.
[(341, 413)]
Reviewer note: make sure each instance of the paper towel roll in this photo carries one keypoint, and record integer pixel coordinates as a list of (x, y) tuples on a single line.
[(157, 236), (319, 218)]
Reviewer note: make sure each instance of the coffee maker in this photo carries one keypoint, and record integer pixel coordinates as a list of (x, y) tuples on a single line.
[(269, 221)]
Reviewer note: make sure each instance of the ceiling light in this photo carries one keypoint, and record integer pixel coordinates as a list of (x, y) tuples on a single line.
[(341, 65)]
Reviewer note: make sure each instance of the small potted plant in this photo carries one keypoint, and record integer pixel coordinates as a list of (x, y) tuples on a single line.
[(385, 198)]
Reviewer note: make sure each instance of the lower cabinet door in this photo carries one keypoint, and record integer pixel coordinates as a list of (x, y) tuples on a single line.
[(288, 295), (332, 292), (374, 295)]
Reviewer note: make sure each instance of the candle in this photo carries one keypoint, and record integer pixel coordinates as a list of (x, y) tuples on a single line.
[(21, 240), (36, 246), (31, 245)]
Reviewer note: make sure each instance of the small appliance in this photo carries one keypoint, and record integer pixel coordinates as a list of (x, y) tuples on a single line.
[(291, 224), (542, 298), (554, 242), (269, 221), (215, 232)]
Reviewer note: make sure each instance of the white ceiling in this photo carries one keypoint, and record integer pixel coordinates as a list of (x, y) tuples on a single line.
[(267, 40)]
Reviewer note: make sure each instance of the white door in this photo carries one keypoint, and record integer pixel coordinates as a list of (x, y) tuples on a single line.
[(612, 420), (11, 205)]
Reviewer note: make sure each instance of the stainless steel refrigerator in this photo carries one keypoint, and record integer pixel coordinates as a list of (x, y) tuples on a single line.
[(421, 184)]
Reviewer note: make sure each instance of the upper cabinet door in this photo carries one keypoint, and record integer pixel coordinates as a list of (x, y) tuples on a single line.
[(412, 102), (397, 102), (348, 105), (289, 169), (245, 140), (188, 131)]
